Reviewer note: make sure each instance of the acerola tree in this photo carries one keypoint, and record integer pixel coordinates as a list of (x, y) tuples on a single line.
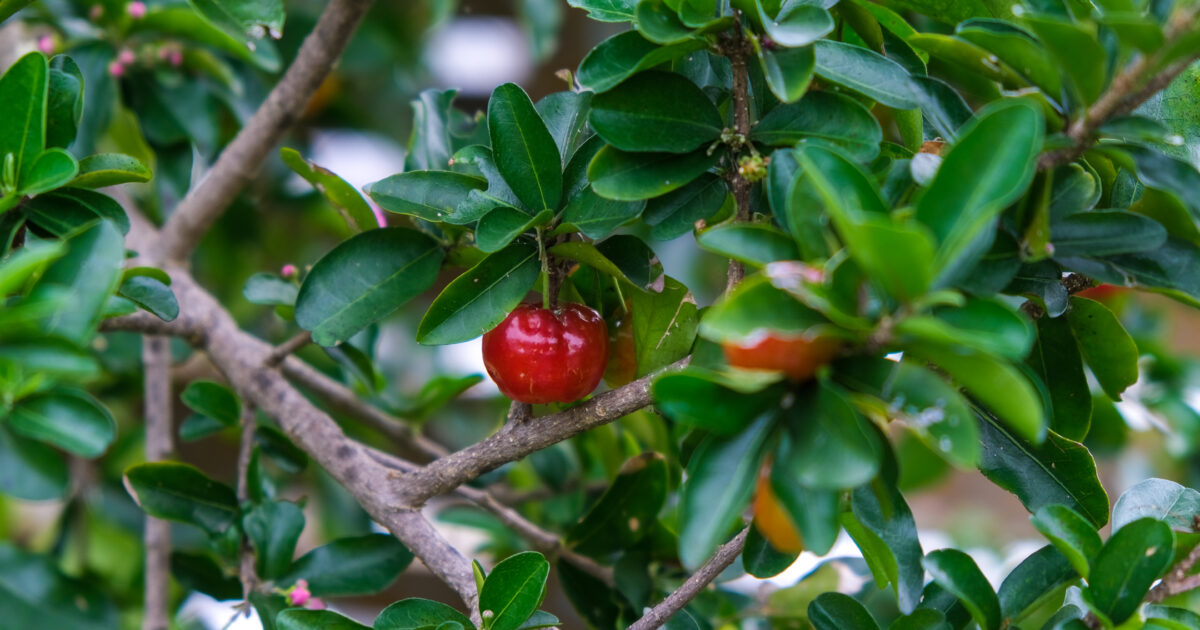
[(913, 202)]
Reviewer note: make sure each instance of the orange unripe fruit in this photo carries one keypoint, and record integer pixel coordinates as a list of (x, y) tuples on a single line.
[(798, 357), (772, 521)]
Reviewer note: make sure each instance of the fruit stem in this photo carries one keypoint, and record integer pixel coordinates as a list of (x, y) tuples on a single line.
[(545, 268), (620, 295)]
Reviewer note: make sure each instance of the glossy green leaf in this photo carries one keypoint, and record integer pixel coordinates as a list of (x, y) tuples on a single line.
[(1056, 471), (866, 72), (1105, 234), (798, 23), (499, 227), (270, 289), (987, 325), (881, 510), (273, 528), (989, 167), (67, 418), (64, 106), (1105, 345), (429, 145), (26, 262), (1170, 617), (823, 118), (832, 446), (596, 216), (941, 106), (762, 560), (621, 56), (514, 589), (757, 244), (181, 493), (700, 400), (676, 213), (430, 195), (789, 71), (152, 295), (967, 56), (108, 169), (78, 285), (1071, 533), (351, 566), (1132, 559), (996, 384), (35, 593), (1057, 361), (525, 152), (814, 512), (24, 88), (481, 298), (754, 306), (1077, 51), (52, 357), (658, 22), (344, 198), (365, 279), (626, 176), (921, 619), (301, 619), (1016, 48), (54, 168), (835, 611), (1158, 170), (29, 469), (664, 325), (66, 210), (566, 117), (418, 614), (1035, 581), (185, 22), (624, 513), (656, 111), (9, 7), (720, 482), (1165, 500), (956, 572)]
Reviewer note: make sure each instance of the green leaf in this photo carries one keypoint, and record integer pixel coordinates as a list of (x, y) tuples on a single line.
[(67, 418), (624, 513), (921, 619), (1056, 360), (1075, 537), (676, 213), (721, 475), (151, 294), (481, 298), (1037, 580), (273, 527), (249, 20), (430, 195), (956, 572), (621, 56), (26, 263), (866, 72), (789, 71), (664, 325), (64, 106), (77, 286), (1056, 471), (814, 512), (499, 227), (1106, 346), (995, 383), (762, 560), (754, 243), (54, 168), (66, 210), (797, 24), (365, 279), (108, 169), (835, 611), (514, 589), (1165, 172), (606, 10), (659, 23), (183, 21), (656, 111), (1170, 617), (989, 167), (825, 118), (566, 117), (301, 619), (1016, 48), (628, 176), (832, 447), (9, 7), (24, 89), (269, 289), (967, 57), (1134, 557), (942, 106), (345, 199), (52, 357), (1165, 500), (1077, 52), (596, 216), (419, 614), (756, 305), (200, 572), (181, 493), (351, 566), (29, 469), (1105, 234), (700, 400), (525, 152), (987, 325), (34, 593), (884, 513)]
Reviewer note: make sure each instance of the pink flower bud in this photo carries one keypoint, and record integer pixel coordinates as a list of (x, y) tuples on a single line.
[(46, 44), (96, 12), (298, 595), (289, 271), (315, 603), (136, 10), (126, 57), (116, 68), (176, 58)]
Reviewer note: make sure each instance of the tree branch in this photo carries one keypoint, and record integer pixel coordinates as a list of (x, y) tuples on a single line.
[(246, 570), (675, 602), (288, 348), (1179, 580), (242, 159), (156, 364), (737, 49)]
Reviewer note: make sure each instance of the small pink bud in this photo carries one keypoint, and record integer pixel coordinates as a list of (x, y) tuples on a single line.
[(315, 603), (46, 44), (380, 217), (116, 68), (126, 57), (176, 58), (136, 10), (289, 271), (298, 595), (96, 12)]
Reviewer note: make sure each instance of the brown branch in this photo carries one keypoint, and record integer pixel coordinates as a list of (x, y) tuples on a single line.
[(675, 602), (738, 49), (1128, 90), (156, 364), (246, 570), (516, 440), (243, 158), (1179, 580), (288, 348)]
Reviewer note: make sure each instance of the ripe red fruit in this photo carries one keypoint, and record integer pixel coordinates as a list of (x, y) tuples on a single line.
[(798, 357), (540, 356), (1102, 292)]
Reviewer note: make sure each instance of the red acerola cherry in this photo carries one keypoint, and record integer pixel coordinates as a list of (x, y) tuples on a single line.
[(798, 357), (540, 356), (1102, 292)]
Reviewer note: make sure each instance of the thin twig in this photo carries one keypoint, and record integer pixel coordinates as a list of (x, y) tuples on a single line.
[(1179, 580), (675, 602), (245, 451), (287, 348), (156, 364), (243, 158), (737, 49)]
